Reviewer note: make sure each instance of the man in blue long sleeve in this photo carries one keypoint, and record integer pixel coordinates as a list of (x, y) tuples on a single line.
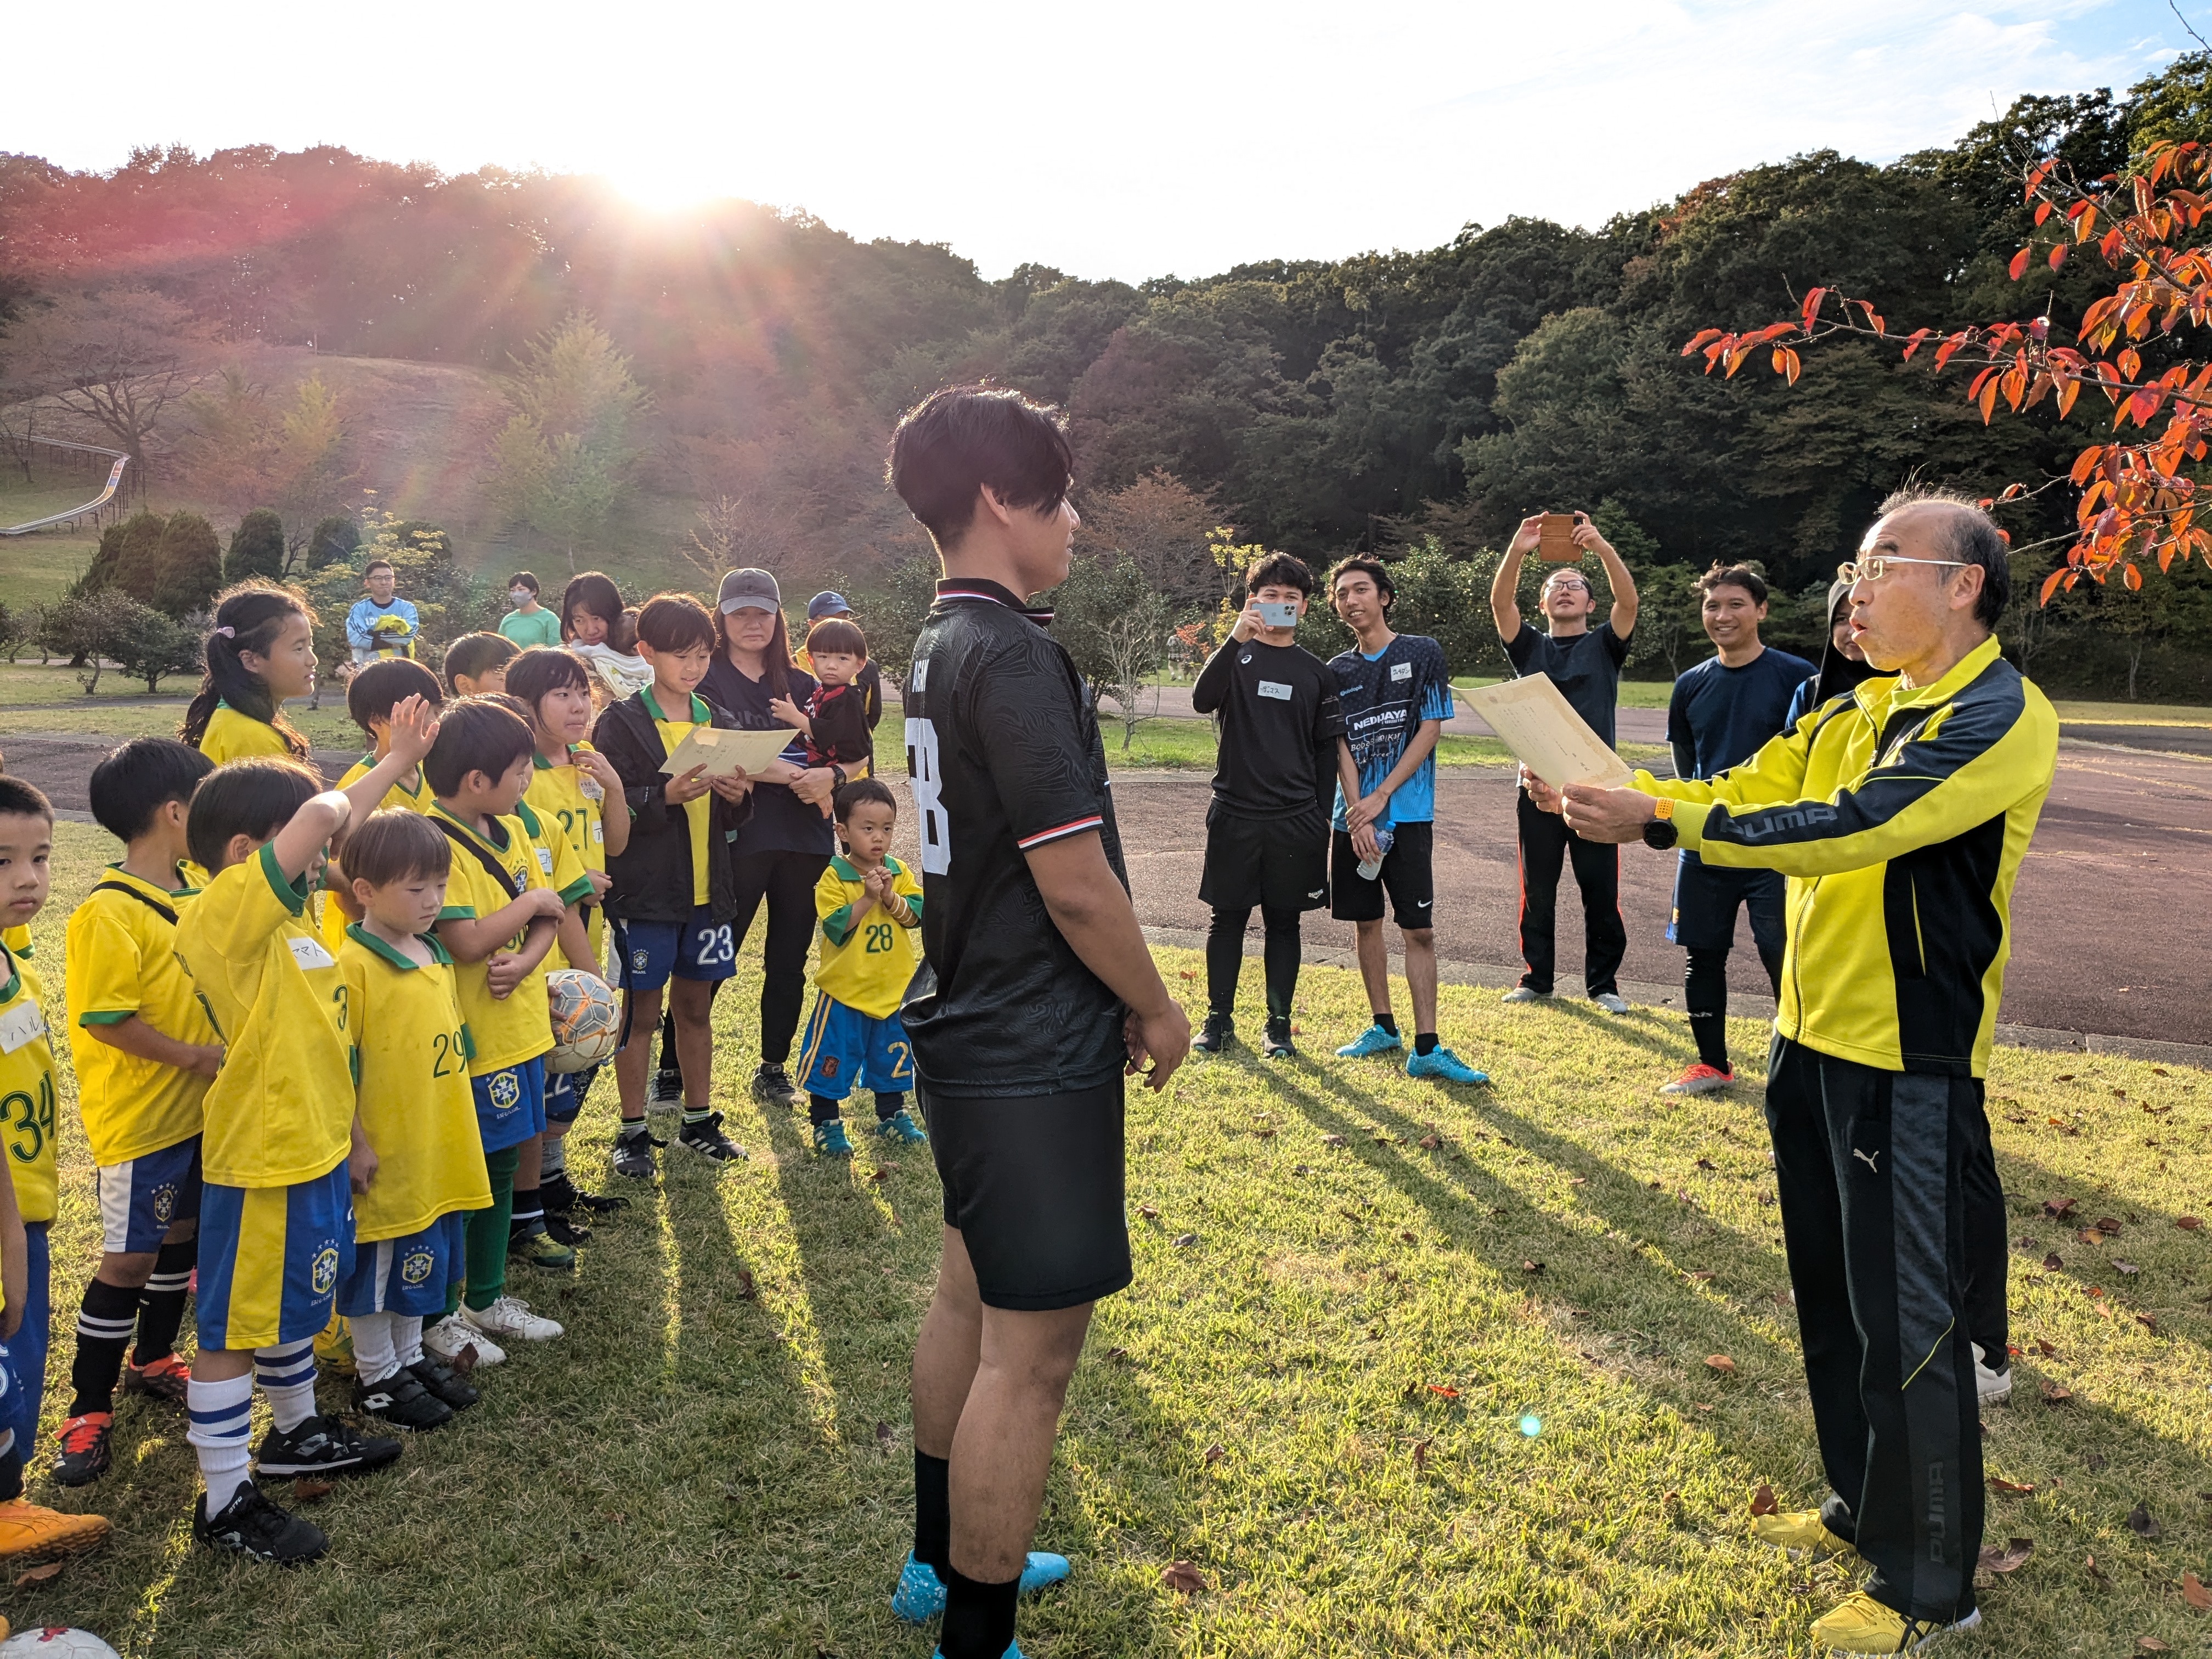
[(381, 624)]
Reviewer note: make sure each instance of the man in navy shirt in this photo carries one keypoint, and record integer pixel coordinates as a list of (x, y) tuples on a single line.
[(1722, 712)]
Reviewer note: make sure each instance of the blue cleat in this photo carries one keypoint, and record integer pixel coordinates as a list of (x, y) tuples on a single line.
[(1014, 1651), (1372, 1040), (921, 1596), (829, 1139), (1442, 1064), (901, 1127)]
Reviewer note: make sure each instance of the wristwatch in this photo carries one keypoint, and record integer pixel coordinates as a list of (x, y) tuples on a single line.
[(1661, 832)]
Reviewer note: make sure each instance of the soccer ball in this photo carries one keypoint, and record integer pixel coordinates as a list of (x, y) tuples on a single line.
[(56, 1642), (587, 1021)]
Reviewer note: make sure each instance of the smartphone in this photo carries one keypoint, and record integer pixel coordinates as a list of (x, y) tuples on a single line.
[(1556, 539), (1277, 616)]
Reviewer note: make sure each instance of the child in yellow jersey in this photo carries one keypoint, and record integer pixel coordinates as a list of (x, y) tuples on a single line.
[(275, 1210), (145, 1052), (869, 907), (420, 1165), (375, 690), (261, 651), (476, 664), (27, 1185), (498, 922)]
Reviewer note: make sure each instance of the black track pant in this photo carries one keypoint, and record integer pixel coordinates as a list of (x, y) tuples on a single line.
[(1224, 959), (1871, 1167), (1547, 844), (784, 881)]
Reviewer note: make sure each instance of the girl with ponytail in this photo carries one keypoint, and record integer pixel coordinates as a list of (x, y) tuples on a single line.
[(261, 651)]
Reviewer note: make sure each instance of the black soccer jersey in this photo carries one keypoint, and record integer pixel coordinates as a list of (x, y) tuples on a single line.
[(1004, 755), (1277, 708)]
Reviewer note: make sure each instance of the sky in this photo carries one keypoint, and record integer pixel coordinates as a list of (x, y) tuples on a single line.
[(1146, 138)]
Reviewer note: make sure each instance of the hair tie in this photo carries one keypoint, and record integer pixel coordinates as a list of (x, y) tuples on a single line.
[(228, 633)]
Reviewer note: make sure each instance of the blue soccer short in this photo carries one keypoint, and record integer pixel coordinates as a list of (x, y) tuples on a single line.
[(21, 1430), (271, 1258), (844, 1049), (142, 1197), (407, 1275), (510, 1103), (648, 952), (27, 1347), (565, 1092)]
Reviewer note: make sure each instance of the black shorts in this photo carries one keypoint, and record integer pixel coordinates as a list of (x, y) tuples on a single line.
[(1278, 864), (1705, 899), (1034, 1185), (1406, 875)]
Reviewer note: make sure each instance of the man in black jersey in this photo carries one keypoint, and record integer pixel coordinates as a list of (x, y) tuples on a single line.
[(1044, 997), (1266, 830)]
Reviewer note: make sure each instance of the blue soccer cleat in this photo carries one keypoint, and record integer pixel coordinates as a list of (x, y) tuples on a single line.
[(901, 1128), (1445, 1067), (921, 1596), (829, 1139), (1372, 1040)]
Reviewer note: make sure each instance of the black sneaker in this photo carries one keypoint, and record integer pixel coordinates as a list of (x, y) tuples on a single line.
[(560, 1195), (666, 1088), (1279, 1040), (772, 1086), (83, 1457), (634, 1145), (561, 1231), (250, 1526), (706, 1137), (323, 1446), (1220, 1032), (402, 1400), (443, 1380)]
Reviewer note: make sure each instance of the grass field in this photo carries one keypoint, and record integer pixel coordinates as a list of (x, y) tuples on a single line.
[(716, 1458)]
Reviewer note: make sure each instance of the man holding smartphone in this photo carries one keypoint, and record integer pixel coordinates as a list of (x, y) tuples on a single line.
[(1267, 829), (1584, 663)]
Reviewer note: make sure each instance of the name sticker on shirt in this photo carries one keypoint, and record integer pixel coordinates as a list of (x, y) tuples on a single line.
[(598, 833), (309, 952), (1277, 690), (1401, 671), (19, 1025), (591, 788), (545, 859)]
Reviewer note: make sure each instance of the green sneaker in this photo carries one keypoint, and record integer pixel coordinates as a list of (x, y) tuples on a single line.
[(901, 1127), (829, 1139), (538, 1248)]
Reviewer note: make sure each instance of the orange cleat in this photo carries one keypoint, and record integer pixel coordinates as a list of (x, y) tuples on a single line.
[(28, 1533), (1699, 1079), (166, 1378)]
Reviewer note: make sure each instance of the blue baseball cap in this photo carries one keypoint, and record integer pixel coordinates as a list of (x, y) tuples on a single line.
[(827, 603)]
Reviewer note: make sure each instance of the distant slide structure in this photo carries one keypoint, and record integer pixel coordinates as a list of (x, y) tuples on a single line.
[(114, 480)]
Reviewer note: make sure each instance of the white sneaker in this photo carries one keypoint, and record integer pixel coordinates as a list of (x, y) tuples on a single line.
[(511, 1317), (445, 1339), (1991, 1387), (1612, 1001), (1523, 993)]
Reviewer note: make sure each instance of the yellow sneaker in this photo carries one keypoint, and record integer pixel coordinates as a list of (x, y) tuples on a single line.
[(1802, 1533), (28, 1533), (1859, 1624), (334, 1345)]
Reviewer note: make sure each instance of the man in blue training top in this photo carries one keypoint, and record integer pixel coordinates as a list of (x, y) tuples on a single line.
[(1723, 711), (381, 623), (1395, 696)]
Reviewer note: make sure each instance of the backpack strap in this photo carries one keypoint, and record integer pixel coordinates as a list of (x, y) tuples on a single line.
[(146, 899), (461, 838)]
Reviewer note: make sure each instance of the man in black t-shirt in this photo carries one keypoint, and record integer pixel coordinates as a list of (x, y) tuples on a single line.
[(1584, 663), (1267, 829), (1044, 996)]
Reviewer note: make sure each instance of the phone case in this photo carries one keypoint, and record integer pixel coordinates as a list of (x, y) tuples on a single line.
[(1556, 539)]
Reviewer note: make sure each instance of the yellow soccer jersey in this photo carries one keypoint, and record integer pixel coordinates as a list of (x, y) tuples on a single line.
[(563, 871), (28, 1124), (410, 1050), (121, 960), (418, 798), (18, 941), (232, 735), (281, 1109), (506, 1030), (700, 811), (866, 966), (571, 797)]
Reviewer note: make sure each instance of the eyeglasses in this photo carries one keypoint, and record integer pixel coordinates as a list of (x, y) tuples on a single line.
[(1871, 570)]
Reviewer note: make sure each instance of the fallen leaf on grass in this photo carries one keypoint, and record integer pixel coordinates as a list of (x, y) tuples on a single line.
[(1720, 1363), (2148, 1321), (1577, 1181), (2194, 1593), (2151, 1645), (1116, 1356), (2189, 1224), (1429, 1143), (1331, 1140), (2095, 1461), (2090, 1235), (2057, 1208), (1184, 1241), (1764, 1502), (879, 1173), (2055, 1395), (2158, 1071), (1409, 1236), (2003, 1485), (2089, 1565), (1421, 1452), (2063, 1077), (465, 1361), (746, 1289), (1214, 1453), (311, 1492), (1532, 1267), (2125, 1266), (1263, 1131), (1444, 1390), (1184, 1578), (2045, 1349), (1149, 1212), (2054, 1261), (2141, 1523), (39, 1575), (885, 1436), (2008, 1558), (1701, 1274), (2107, 1224), (1704, 1164)]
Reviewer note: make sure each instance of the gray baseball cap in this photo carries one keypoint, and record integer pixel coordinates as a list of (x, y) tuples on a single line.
[(749, 590)]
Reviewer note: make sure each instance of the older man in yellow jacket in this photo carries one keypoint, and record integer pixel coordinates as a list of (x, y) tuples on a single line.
[(1899, 811)]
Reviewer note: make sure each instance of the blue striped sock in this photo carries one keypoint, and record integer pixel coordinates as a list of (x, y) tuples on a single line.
[(221, 1415), (286, 1373)]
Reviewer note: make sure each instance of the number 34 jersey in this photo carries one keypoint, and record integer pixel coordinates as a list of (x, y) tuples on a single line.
[(865, 965), (26, 1091)]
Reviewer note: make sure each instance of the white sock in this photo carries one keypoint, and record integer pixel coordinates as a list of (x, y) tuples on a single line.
[(373, 1355), (286, 1372), (222, 1413), (407, 1338)]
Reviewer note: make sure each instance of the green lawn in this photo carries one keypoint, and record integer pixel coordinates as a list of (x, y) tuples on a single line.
[(1313, 1393)]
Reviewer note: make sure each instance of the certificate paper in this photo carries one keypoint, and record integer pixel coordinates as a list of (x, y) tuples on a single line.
[(723, 752), (1532, 717)]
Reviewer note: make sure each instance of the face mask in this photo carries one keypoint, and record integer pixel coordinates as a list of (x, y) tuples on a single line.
[(518, 594)]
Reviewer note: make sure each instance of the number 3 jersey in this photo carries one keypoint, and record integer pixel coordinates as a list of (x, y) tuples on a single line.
[(1004, 756), (867, 964), (26, 1091)]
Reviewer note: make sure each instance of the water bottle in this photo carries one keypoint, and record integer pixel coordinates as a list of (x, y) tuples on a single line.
[(1369, 869)]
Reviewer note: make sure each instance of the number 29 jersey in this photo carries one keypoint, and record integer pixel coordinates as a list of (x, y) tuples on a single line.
[(1004, 755)]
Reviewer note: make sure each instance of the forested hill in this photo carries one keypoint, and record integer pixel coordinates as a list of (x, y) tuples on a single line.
[(1452, 389)]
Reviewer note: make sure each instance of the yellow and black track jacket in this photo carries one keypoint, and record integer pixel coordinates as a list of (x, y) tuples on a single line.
[(1900, 818)]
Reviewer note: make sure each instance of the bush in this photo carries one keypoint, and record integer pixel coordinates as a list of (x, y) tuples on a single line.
[(188, 571), (334, 541), (91, 628), (256, 548), (892, 608), (14, 634)]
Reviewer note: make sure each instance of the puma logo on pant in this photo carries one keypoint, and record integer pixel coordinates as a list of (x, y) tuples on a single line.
[(1868, 1158)]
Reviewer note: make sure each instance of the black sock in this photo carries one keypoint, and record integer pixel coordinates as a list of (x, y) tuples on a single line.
[(821, 1109), (933, 1512), (1225, 960), (162, 1303), (1386, 1024), (979, 1618), (1704, 994), (11, 1479), (529, 1212), (1425, 1042), (103, 1332), (889, 1106), (1280, 954)]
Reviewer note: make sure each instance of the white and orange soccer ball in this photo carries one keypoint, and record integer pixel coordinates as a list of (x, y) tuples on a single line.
[(587, 1021), (55, 1642)]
